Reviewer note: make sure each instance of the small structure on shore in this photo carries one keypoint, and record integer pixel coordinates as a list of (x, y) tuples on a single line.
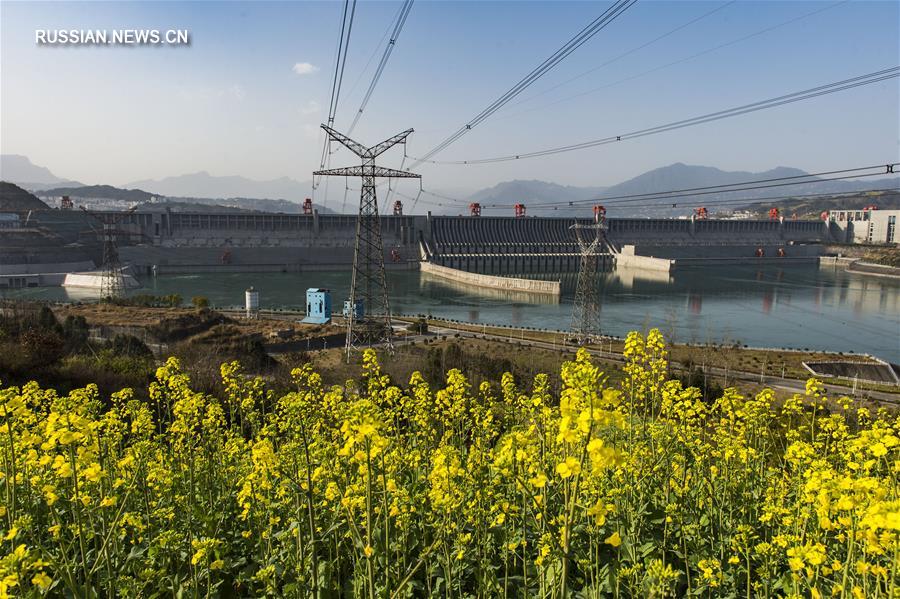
[(358, 312), (251, 303), (318, 306)]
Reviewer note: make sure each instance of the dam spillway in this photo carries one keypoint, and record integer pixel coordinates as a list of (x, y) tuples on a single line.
[(210, 241)]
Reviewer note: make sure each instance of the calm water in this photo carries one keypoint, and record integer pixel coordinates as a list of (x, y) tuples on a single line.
[(795, 307)]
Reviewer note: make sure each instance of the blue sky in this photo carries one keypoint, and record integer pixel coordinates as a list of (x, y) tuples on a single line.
[(232, 104)]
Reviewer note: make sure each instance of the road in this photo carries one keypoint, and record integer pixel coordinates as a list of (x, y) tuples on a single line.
[(774, 382)]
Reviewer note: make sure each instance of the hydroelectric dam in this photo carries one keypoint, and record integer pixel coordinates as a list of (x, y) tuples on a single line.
[(170, 242)]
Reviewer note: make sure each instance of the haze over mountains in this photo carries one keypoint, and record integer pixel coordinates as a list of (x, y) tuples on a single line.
[(18, 169), (285, 194), (533, 191), (673, 177), (205, 185)]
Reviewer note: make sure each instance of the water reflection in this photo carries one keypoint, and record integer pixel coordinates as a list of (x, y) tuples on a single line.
[(784, 306), (628, 277)]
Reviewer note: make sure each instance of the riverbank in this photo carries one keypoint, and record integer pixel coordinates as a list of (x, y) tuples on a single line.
[(726, 362), (859, 266), (276, 343), (886, 255), (768, 305)]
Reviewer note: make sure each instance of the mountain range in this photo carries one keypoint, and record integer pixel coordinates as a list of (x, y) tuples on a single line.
[(676, 176), (285, 194), (18, 169), (533, 191), (204, 185)]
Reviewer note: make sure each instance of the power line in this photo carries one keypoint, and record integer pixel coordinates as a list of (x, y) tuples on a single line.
[(398, 26), (418, 199), (651, 199), (623, 55), (669, 64), (678, 204), (723, 202), (847, 173), (807, 94), (387, 32), (340, 62), (339, 77), (561, 54)]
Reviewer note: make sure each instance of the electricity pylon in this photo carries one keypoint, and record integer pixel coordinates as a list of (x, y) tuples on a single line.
[(586, 311), (112, 280), (373, 324)]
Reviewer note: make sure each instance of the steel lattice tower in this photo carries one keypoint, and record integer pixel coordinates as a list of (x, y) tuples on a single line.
[(112, 279), (586, 311), (368, 281)]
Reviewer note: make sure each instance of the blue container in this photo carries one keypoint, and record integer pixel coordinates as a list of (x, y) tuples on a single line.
[(358, 313), (318, 306)]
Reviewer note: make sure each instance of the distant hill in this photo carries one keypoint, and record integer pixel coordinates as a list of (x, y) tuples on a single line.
[(187, 206), (149, 201), (254, 204), (813, 207), (20, 170), (106, 192), (14, 199), (668, 178), (230, 205), (511, 192), (684, 176), (204, 185)]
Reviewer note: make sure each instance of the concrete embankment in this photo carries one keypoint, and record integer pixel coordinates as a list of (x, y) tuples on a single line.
[(38, 275), (868, 268), (836, 261), (629, 259), (94, 280), (551, 288), (858, 266)]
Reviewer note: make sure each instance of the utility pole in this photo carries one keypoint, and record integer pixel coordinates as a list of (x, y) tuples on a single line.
[(370, 323), (586, 311), (112, 280)]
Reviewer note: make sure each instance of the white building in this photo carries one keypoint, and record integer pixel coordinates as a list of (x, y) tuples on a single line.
[(9, 220), (868, 225)]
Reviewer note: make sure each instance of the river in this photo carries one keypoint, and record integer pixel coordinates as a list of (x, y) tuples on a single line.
[(795, 307)]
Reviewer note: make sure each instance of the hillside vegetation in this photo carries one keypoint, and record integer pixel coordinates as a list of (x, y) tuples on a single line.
[(15, 199), (106, 192), (373, 489), (813, 207)]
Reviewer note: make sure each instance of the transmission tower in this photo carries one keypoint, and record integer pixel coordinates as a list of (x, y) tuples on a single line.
[(112, 280), (586, 311), (371, 323)]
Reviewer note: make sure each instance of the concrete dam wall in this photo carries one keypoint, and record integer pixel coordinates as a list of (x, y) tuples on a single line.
[(209, 241)]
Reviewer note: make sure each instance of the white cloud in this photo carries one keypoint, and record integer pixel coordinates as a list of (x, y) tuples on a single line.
[(238, 92), (305, 68), (310, 107)]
